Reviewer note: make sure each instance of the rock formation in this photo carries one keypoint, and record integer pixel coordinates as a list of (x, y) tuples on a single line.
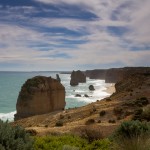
[(77, 95), (40, 95), (91, 88), (77, 77), (58, 78)]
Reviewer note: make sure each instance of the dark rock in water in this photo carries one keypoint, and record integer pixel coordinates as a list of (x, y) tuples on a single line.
[(58, 78), (40, 95), (77, 77), (77, 95), (91, 88), (85, 95)]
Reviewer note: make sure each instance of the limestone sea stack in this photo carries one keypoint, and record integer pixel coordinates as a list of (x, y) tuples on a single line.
[(77, 77), (40, 95), (58, 78)]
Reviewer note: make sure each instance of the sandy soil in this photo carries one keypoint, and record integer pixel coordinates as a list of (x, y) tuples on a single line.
[(111, 89)]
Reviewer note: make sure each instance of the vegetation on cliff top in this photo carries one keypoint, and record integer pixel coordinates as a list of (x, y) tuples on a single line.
[(131, 135)]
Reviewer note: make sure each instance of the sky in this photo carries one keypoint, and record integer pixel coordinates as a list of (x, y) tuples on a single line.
[(47, 35)]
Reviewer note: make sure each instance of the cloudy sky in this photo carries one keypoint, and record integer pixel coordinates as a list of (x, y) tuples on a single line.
[(73, 34)]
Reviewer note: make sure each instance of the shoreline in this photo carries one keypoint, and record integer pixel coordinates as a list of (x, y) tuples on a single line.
[(110, 89)]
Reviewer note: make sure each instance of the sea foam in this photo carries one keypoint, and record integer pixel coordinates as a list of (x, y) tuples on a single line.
[(7, 116)]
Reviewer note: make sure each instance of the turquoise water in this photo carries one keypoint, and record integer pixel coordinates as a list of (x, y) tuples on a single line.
[(11, 82)]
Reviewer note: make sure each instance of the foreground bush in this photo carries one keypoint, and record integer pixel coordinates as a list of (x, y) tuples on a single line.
[(132, 135), (58, 142), (69, 142), (14, 138)]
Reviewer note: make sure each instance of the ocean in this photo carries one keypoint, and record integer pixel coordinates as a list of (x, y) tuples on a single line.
[(11, 82)]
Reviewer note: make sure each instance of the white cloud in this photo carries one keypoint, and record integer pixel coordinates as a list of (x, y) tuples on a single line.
[(101, 47)]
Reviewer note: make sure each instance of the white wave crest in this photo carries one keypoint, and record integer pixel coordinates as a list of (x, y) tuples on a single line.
[(7, 116)]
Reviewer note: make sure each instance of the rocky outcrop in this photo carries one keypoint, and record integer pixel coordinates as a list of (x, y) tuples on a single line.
[(58, 78), (77, 77), (114, 75), (91, 88), (40, 95)]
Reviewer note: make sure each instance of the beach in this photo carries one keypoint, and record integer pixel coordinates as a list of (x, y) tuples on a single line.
[(110, 89)]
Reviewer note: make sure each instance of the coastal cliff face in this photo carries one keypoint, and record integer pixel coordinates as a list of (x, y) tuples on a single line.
[(40, 95), (96, 74), (114, 75), (77, 77)]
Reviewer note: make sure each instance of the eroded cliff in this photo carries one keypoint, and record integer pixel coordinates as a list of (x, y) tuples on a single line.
[(40, 95)]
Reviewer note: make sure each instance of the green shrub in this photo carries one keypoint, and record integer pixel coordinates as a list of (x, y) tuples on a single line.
[(14, 138), (131, 129), (68, 147), (142, 114), (59, 142), (146, 113), (132, 135), (103, 144), (69, 142)]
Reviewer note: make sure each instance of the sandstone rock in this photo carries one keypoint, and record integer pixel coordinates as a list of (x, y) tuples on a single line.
[(77, 77), (40, 95), (58, 78), (77, 95), (91, 88), (85, 95)]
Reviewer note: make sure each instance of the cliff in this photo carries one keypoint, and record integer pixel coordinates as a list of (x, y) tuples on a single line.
[(114, 75), (96, 74), (40, 95)]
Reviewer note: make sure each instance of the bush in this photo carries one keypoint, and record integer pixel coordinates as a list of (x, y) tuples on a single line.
[(61, 116), (90, 133), (90, 121), (142, 114), (146, 113), (59, 123), (59, 142), (103, 144), (132, 135), (112, 121), (14, 138), (131, 129), (102, 113), (69, 142), (142, 101), (68, 147), (137, 114), (118, 110)]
